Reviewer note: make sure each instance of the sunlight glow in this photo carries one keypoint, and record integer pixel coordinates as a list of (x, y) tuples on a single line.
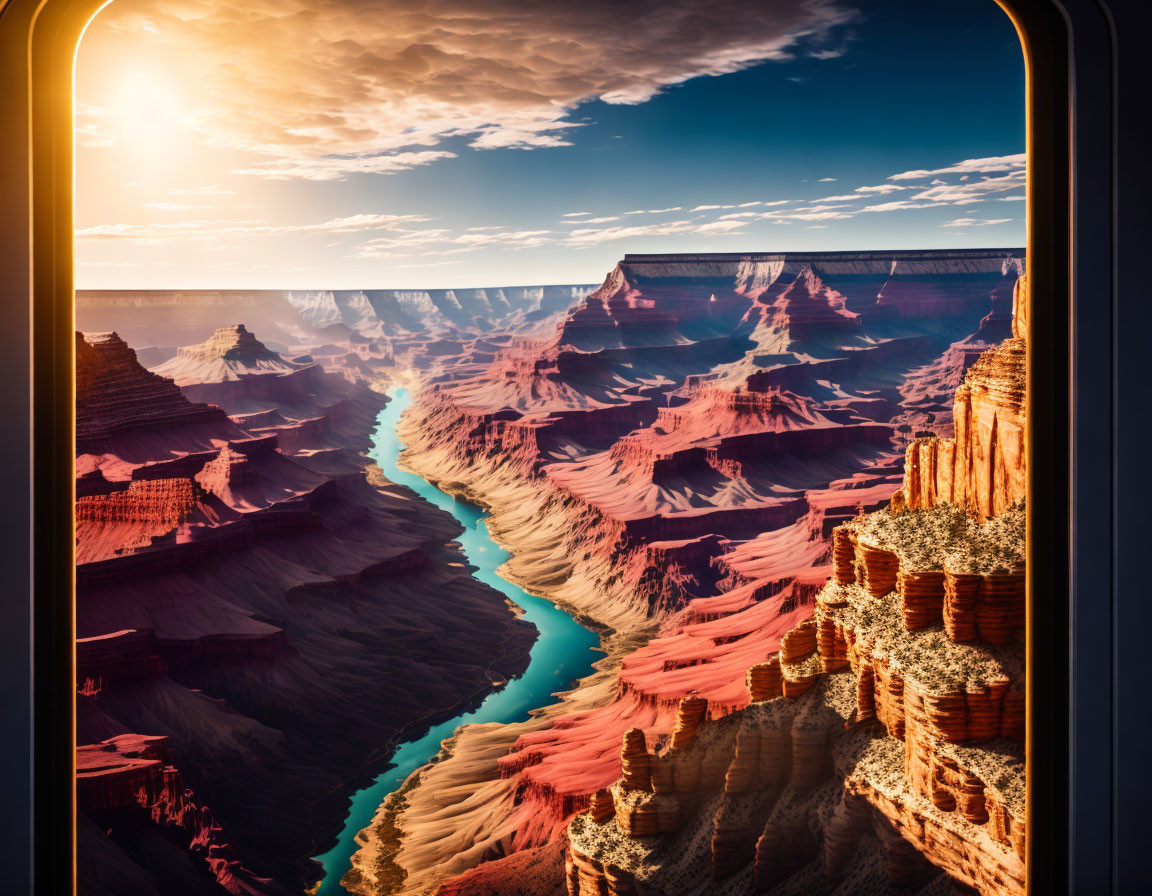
[(146, 111)]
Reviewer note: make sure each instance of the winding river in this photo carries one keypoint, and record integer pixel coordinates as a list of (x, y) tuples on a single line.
[(563, 652)]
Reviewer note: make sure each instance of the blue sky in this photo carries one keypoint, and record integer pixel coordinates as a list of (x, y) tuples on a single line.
[(210, 156)]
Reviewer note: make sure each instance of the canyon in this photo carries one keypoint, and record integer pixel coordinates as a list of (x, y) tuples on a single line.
[(260, 616), (784, 488), (673, 463)]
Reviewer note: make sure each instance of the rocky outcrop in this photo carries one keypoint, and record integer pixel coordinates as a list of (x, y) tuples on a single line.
[(128, 655), (145, 512), (890, 723), (786, 790), (228, 354), (984, 468), (305, 407), (271, 618), (117, 398), (672, 462), (129, 785), (236, 371)]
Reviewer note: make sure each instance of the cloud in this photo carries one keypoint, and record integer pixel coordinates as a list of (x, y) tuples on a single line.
[(718, 227), (594, 236), (654, 211), (991, 165), (337, 168), (973, 190), (957, 190), (211, 229), (407, 243), (900, 205), (402, 242), (814, 215), (575, 214), (827, 180), (975, 222), (882, 188), (324, 90), (90, 126)]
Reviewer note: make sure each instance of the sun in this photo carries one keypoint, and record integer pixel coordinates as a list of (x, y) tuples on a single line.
[(147, 110)]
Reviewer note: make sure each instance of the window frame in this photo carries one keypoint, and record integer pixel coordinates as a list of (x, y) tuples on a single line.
[(1076, 736)]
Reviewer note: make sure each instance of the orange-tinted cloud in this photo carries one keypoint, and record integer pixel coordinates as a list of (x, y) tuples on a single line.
[(324, 88)]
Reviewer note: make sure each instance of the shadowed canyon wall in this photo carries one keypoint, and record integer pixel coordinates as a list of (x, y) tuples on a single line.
[(258, 621)]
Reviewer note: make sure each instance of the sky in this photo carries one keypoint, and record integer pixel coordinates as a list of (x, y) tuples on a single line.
[(351, 144)]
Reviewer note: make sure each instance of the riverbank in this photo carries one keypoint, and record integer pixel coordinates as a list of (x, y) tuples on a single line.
[(564, 651)]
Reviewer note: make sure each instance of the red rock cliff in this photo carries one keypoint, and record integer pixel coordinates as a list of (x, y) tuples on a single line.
[(885, 740), (672, 463), (984, 468)]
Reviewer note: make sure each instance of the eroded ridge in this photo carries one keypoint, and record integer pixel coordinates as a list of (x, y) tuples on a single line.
[(883, 743), (672, 462), (257, 619)]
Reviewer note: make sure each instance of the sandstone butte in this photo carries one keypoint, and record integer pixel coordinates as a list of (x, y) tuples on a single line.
[(672, 462), (683, 457)]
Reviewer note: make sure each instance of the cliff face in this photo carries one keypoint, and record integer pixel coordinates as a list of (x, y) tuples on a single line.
[(129, 784), (883, 743), (984, 468), (672, 462), (257, 621), (118, 402)]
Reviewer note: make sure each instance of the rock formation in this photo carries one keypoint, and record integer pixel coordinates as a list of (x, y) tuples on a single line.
[(983, 467), (118, 402), (360, 333), (257, 621), (895, 751), (305, 406), (128, 784), (229, 354), (672, 462)]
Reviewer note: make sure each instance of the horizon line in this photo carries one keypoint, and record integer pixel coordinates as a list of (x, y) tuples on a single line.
[(628, 256)]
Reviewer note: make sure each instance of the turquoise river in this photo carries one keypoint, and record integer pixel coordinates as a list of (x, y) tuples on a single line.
[(563, 652)]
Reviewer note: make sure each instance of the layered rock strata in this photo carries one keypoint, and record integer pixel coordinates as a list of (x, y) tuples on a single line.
[(899, 730), (248, 602), (984, 467), (671, 463), (117, 399)]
